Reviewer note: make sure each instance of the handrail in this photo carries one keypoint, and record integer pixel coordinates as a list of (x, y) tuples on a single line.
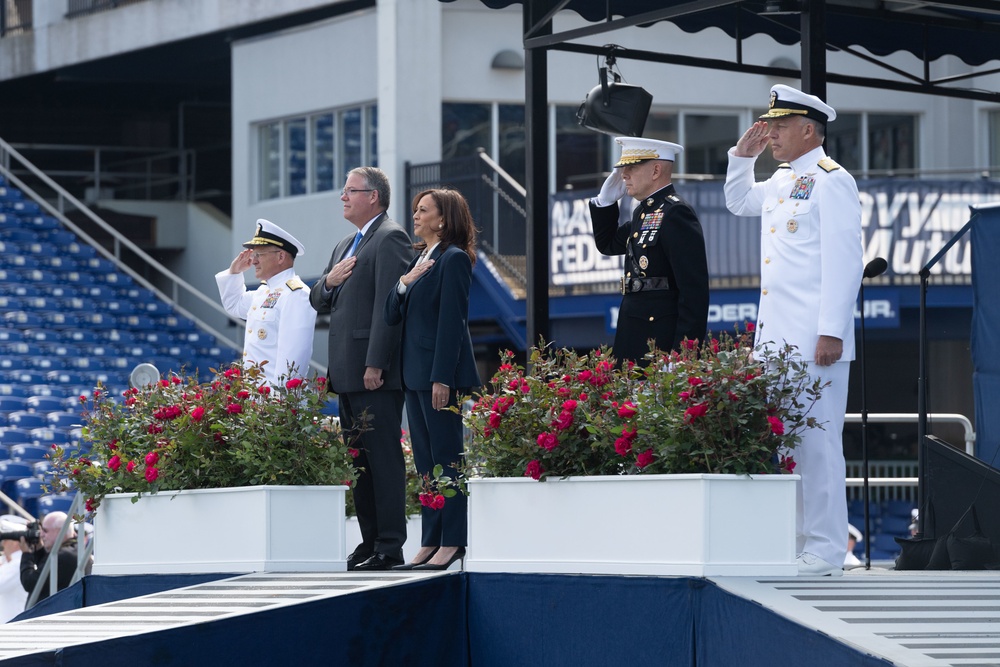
[(502, 172), (945, 417), (51, 568)]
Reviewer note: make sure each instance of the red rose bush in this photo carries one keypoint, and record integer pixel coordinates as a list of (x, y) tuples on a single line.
[(710, 408), (180, 434)]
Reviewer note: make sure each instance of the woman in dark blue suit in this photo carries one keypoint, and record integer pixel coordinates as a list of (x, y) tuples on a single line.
[(432, 302)]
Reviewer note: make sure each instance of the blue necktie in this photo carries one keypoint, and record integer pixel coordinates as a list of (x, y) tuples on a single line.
[(357, 240)]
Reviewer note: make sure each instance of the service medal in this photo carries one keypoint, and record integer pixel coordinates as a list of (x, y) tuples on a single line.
[(643, 262), (792, 226), (261, 334)]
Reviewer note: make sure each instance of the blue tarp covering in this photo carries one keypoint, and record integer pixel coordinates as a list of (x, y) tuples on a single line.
[(985, 235)]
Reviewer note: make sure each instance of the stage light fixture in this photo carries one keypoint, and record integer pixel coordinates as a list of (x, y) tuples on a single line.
[(613, 107)]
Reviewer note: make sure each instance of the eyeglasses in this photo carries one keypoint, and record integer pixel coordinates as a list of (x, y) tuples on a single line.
[(256, 255), (351, 191)]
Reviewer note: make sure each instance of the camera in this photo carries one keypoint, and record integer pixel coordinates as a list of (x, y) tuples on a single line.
[(32, 533)]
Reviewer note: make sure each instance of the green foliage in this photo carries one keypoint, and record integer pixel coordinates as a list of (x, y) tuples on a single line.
[(233, 431), (719, 407)]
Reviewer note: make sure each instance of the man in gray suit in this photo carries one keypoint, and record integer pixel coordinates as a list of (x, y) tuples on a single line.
[(364, 362)]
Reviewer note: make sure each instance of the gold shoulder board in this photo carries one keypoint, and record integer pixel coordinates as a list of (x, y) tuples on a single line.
[(828, 165), (295, 283), (784, 165)]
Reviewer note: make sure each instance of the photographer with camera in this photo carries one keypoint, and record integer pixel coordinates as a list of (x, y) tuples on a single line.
[(36, 548), (12, 594)]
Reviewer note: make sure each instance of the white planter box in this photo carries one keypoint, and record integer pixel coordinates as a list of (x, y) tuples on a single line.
[(683, 525), (245, 529)]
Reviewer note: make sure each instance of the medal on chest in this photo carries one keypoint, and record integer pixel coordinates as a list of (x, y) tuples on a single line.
[(650, 226), (272, 299), (803, 187)]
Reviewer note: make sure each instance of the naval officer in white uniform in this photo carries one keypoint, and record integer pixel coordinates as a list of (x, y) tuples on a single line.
[(811, 269), (280, 320)]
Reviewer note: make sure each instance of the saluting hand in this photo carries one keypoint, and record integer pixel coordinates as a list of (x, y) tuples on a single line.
[(242, 262), (754, 140)]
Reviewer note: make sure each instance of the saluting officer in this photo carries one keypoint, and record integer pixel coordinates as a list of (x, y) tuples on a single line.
[(810, 271), (280, 320), (665, 286)]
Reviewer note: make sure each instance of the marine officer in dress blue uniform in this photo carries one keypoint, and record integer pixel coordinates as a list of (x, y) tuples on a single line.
[(280, 320), (811, 269), (665, 286)]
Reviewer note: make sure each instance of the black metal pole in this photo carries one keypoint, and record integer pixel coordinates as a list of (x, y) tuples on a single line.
[(864, 438), (922, 399)]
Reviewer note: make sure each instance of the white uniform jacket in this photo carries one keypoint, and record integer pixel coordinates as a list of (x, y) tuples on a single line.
[(280, 321), (811, 249), (12, 593)]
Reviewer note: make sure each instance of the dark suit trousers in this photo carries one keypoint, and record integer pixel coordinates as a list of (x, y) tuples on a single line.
[(380, 492), (437, 440)]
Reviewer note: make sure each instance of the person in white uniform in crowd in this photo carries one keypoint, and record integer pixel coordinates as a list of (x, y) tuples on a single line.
[(811, 269), (12, 593), (280, 321)]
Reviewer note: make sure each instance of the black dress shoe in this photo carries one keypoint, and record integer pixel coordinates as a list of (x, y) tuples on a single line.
[(378, 562), (410, 566), (458, 555), (357, 558)]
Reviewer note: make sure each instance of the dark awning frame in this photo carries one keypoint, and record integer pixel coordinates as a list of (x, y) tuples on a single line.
[(929, 29)]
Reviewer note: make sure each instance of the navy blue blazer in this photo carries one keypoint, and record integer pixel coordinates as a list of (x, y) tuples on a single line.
[(436, 345)]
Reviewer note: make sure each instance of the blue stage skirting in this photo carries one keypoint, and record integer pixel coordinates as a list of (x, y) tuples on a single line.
[(472, 620)]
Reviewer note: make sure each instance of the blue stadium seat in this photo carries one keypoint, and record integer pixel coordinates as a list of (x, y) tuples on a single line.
[(99, 321), (23, 262), (18, 235), (26, 493), (117, 279), (99, 265), (10, 403), (11, 335), (23, 319), (29, 453), (11, 302), (157, 307), (64, 420), (885, 543), (176, 323), (79, 250), (80, 336), (43, 222), (77, 304), (45, 389), (50, 363), (141, 322), (42, 335), (60, 237), (4, 453), (895, 525), (31, 377), (45, 403), (25, 348), (78, 278), (65, 350), (24, 207), (61, 320), (43, 470), (41, 276), (121, 336), (10, 472), (56, 502), (49, 436), (69, 378), (16, 390), (26, 420), (120, 307), (897, 508)]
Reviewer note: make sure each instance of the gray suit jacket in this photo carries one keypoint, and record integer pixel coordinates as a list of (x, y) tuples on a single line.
[(359, 336)]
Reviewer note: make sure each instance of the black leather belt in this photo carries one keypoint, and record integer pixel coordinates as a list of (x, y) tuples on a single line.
[(630, 285)]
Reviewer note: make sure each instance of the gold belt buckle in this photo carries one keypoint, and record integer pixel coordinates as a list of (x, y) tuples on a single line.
[(622, 280)]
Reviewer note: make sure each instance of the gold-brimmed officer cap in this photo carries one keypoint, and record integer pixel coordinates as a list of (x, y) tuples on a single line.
[(787, 101), (637, 149), (271, 234)]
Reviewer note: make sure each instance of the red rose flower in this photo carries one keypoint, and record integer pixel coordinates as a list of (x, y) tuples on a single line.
[(152, 458), (294, 383), (234, 408), (89, 505), (353, 452), (197, 413), (264, 389), (623, 446), (548, 441), (563, 421), (152, 474), (751, 327), (777, 426), (437, 502), (695, 381), (243, 394), (627, 410), (114, 463), (644, 459), (695, 411), (534, 469), (494, 420), (130, 466), (232, 372)]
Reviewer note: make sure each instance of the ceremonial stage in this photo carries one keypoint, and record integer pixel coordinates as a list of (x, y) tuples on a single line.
[(457, 619)]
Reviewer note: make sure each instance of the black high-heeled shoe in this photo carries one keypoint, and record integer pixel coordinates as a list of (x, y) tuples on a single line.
[(458, 555), (410, 566)]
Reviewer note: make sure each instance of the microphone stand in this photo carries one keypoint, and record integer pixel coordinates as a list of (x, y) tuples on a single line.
[(872, 269)]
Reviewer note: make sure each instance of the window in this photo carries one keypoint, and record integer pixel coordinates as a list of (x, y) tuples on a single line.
[(464, 129), (583, 156), (890, 141), (994, 133), (309, 154)]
